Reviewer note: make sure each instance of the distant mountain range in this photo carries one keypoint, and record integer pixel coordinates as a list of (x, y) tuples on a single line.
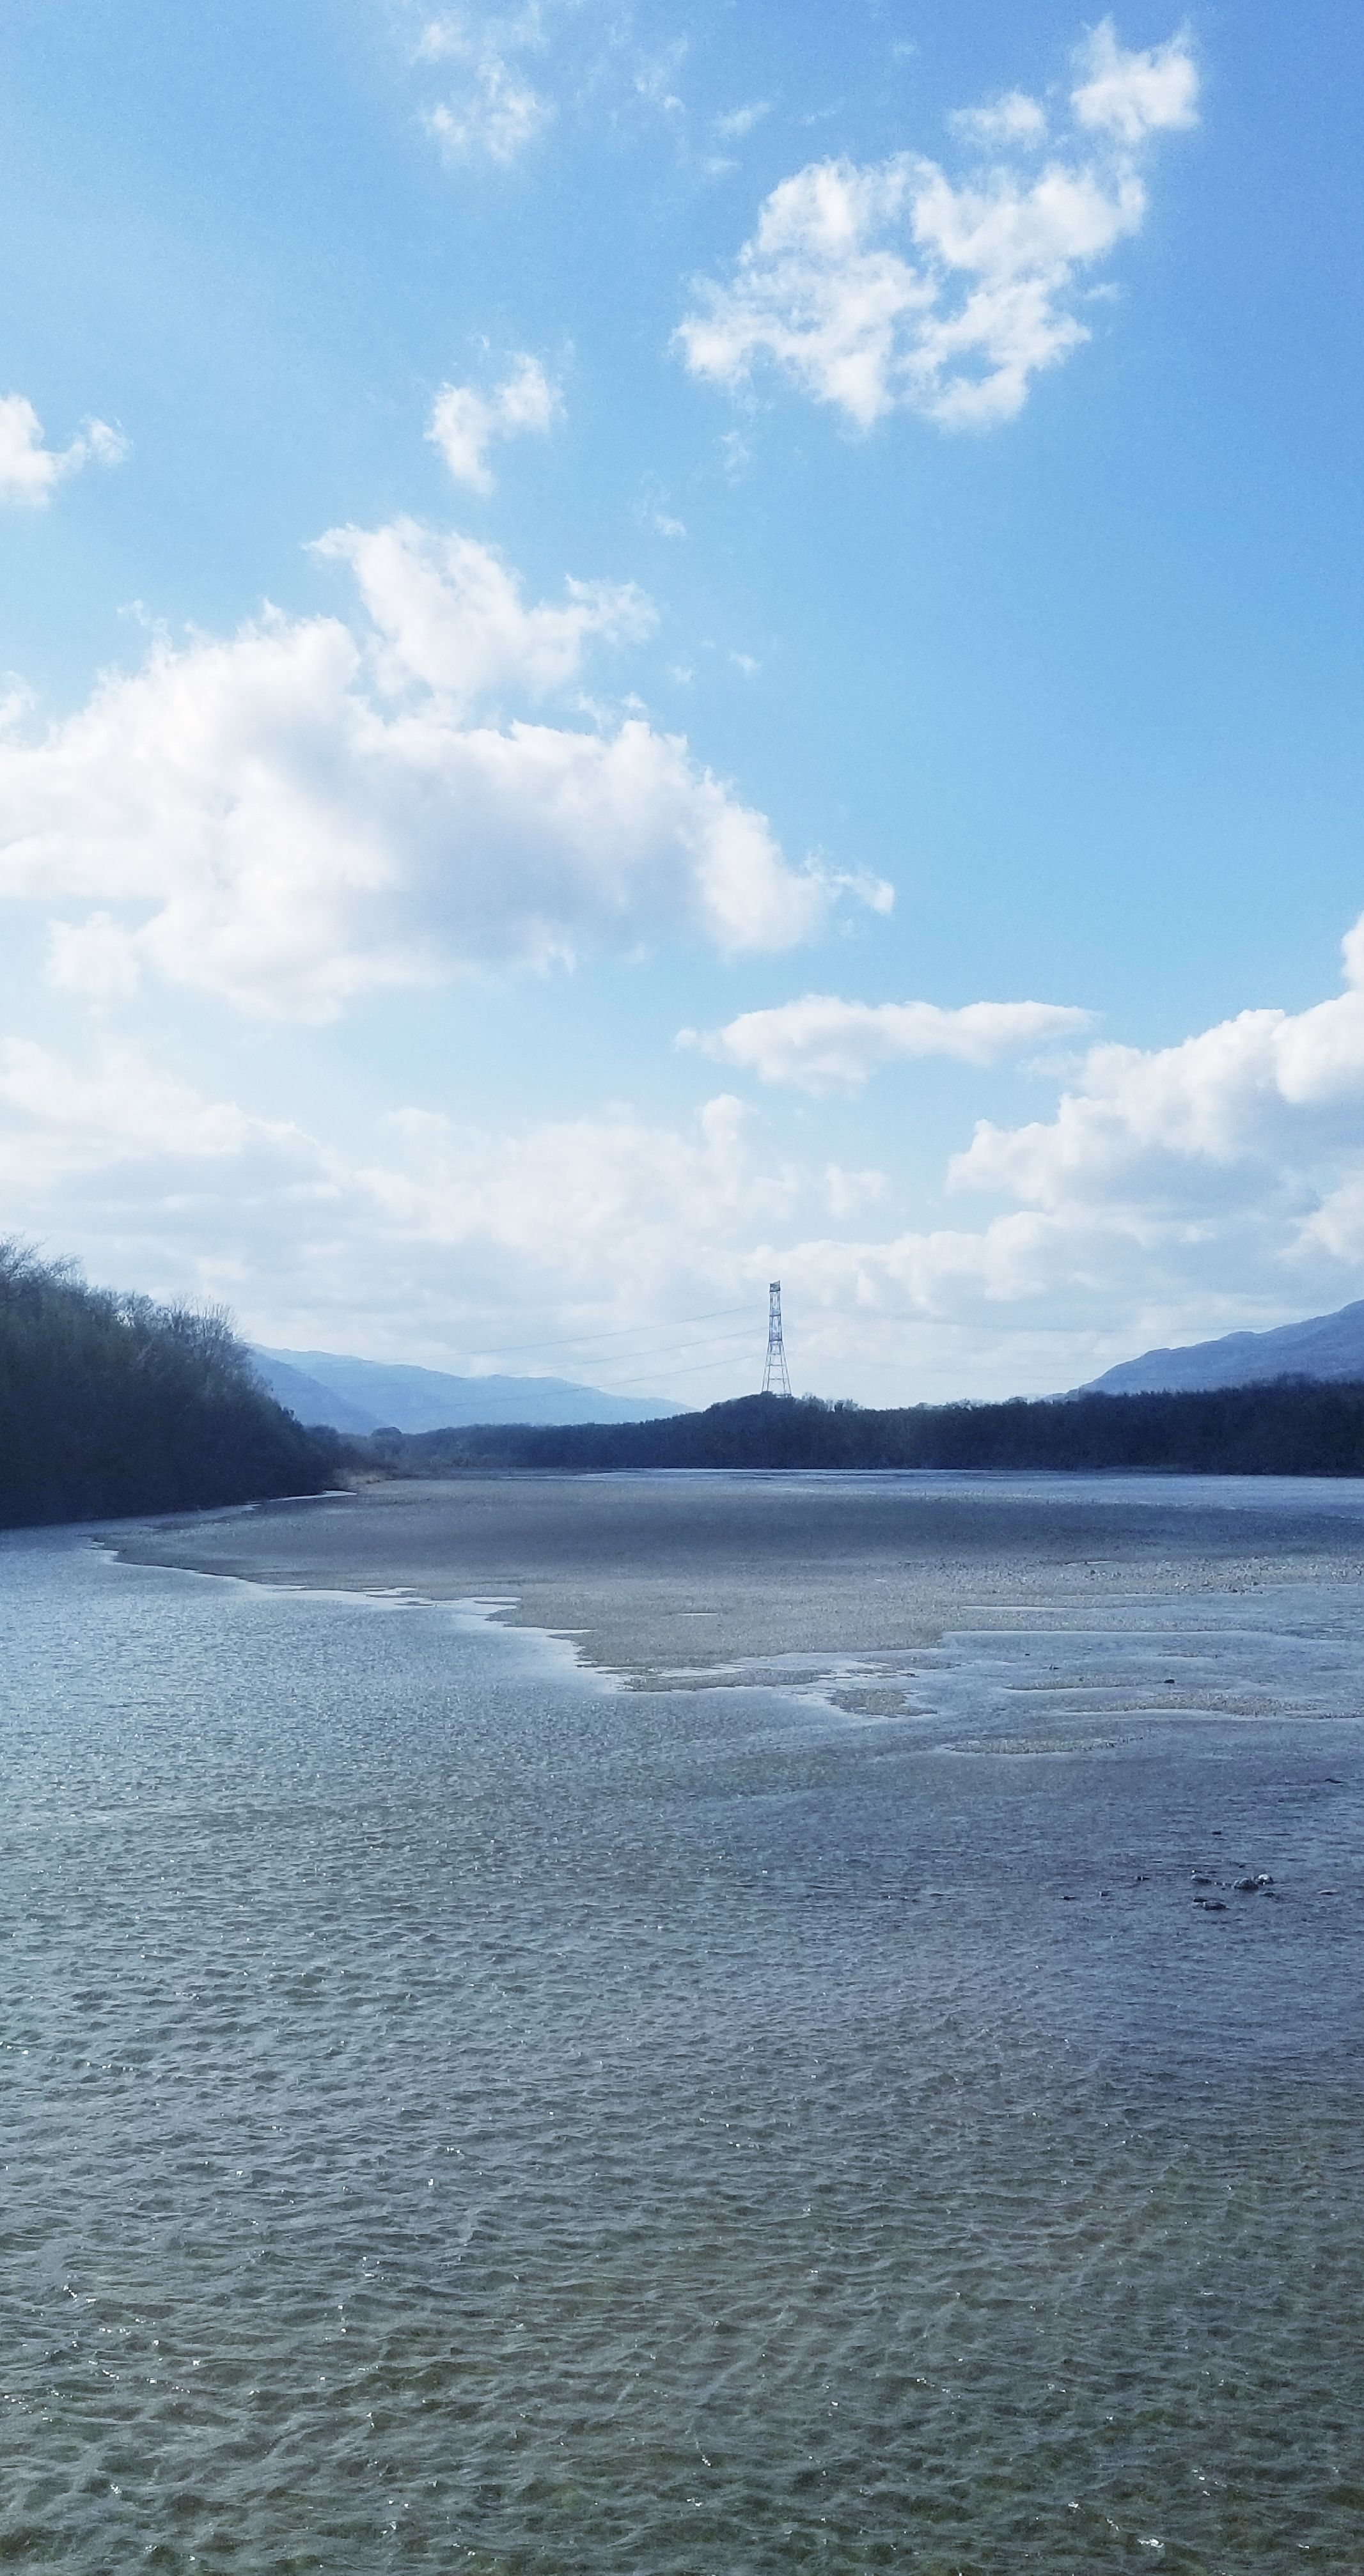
[(371, 1395), (1325, 1347)]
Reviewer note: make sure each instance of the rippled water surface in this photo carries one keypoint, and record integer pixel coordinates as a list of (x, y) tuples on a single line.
[(455, 2114)]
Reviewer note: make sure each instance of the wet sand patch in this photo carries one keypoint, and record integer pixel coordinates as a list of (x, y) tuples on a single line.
[(1189, 1593)]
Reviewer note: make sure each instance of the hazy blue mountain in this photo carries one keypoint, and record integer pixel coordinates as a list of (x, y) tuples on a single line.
[(360, 1395), (1325, 1346), (308, 1399)]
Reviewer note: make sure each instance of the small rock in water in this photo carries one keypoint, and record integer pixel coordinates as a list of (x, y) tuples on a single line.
[(1254, 1886)]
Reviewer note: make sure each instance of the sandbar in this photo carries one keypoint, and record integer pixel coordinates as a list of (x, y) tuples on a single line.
[(670, 1577)]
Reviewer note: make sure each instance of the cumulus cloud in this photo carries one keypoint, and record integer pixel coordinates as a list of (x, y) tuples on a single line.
[(465, 422), (446, 614), (1177, 1192), (305, 811), (477, 1236), (1262, 1102), (458, 1228), (890, 286), (1133, 95), (29, 471), (823, 1044), (441, 1238)]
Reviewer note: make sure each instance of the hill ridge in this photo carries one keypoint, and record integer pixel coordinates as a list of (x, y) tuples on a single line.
[(1324, 1348), (359, 1396)]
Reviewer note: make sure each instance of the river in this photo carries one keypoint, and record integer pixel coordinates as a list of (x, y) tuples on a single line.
[(463, 2112)]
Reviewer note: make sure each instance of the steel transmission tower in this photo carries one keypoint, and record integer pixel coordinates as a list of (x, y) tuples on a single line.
[(776, 1380)]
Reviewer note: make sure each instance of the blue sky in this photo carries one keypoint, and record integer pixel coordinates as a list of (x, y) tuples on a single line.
[(652, 649)]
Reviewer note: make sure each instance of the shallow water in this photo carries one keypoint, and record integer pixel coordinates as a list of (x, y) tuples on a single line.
[(459, 2114)]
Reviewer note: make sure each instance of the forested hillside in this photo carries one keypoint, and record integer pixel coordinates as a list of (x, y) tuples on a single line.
[(1288, 1429), (110, 1404)]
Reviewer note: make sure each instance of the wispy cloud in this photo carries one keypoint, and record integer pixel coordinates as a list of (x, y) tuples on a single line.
[(890, 286), (506, 75), (1013, 119), (493, 110), (741, 120), (30, 471)]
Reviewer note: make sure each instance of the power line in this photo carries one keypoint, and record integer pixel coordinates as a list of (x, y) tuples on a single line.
[(697, 1369), (614, 1332), (938, 1323), (717, 1343)]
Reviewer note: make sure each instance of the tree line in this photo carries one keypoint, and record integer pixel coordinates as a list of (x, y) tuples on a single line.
[(111, 1404), (1288, 1427)]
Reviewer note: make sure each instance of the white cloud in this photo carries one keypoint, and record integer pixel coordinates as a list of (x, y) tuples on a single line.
[(1133, 95), (847, 1193), (656, 72), (889, 286), (300, 813), (1256, 1108), (507, 74), (823, 1044), (495, 112), (447, 615), (61, 1121), (465, 422), (498, 115), (30, 472), (97, 957), (439, 1239), (1016, 118), (452, 1227), (1178, 1192), (438, 1236), (741, 120)]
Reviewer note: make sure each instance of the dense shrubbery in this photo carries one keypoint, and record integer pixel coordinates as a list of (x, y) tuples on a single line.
[(110, 1404), (1290, 1427)]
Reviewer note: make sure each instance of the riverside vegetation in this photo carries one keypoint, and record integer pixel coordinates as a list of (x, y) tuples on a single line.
[(1289, 1427), (111, 1404)]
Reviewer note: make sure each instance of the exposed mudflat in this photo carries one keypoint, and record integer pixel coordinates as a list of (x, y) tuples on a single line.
[(671, 1575)]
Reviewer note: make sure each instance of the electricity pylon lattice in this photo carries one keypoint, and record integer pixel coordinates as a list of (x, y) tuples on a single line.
[(776, 1380)]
